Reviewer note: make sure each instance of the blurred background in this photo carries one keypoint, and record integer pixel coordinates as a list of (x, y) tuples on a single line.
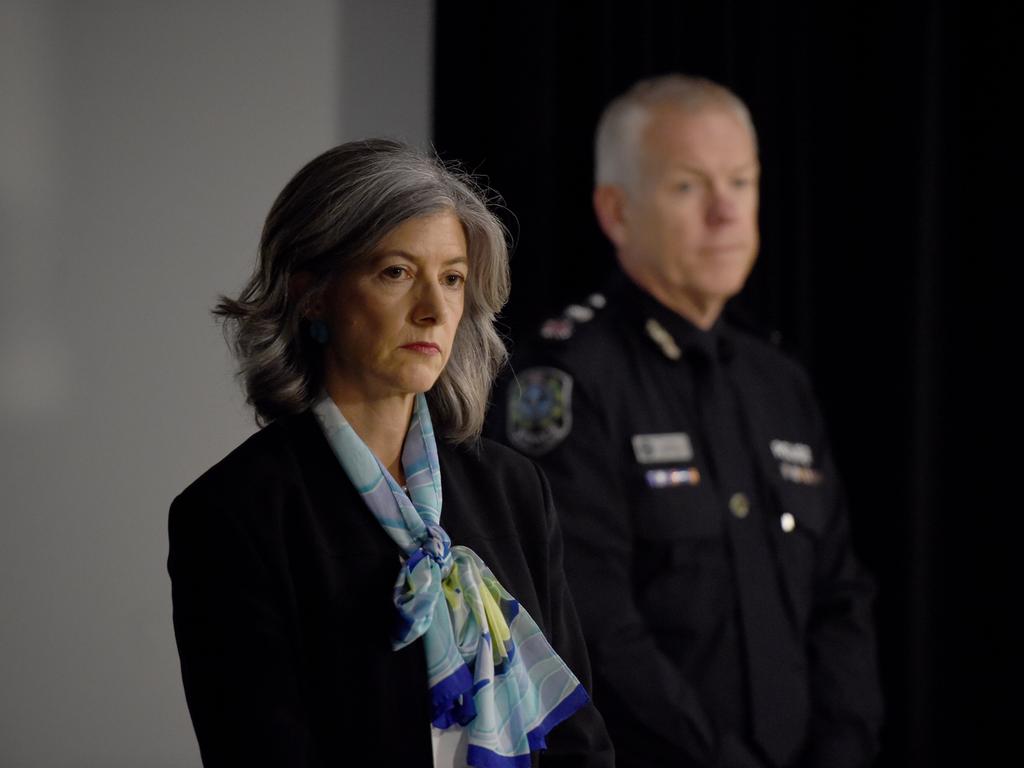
[(141, 144)]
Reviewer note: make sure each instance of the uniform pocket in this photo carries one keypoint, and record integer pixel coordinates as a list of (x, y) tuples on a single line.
[(680, 570), (804, 517), (677, 512), (806, 505)]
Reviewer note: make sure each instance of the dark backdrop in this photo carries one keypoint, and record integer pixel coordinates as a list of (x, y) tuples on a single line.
[(865, 273)]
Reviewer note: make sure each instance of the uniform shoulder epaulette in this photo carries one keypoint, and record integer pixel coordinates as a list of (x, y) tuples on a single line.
[(562, 327)]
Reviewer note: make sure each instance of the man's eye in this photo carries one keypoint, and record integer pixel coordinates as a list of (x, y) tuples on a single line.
[(742, 182), (684, 186)]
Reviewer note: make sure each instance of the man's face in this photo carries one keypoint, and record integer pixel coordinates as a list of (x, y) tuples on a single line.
[(689, 221)]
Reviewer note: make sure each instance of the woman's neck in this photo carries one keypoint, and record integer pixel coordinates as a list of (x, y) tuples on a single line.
[(381, 424)]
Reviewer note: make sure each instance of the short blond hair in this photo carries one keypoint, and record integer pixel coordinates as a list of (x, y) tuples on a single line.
[(617, 140)]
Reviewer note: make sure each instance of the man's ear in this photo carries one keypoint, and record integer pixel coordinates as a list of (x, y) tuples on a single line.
[(610, 207)]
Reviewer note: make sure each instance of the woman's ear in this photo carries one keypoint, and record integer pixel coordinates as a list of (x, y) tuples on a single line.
[(298, 286)]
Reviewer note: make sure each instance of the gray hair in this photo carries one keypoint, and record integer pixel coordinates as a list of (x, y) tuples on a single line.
[(327, 221), (617, 141)]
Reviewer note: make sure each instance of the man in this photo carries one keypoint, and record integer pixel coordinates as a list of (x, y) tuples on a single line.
[(707, 542)]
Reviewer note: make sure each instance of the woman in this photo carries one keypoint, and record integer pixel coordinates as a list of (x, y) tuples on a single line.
[(366, 330)]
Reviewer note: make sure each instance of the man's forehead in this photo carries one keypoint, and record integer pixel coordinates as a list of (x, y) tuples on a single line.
[(710, 120), (676, 136)]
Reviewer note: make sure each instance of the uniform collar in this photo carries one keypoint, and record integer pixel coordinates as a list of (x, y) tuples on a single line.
[(676, 334)]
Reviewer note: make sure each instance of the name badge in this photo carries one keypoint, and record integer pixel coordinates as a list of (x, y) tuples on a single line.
[(662, 448), (792, 453)]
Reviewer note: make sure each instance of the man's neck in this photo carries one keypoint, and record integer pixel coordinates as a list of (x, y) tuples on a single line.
[(702, 311)]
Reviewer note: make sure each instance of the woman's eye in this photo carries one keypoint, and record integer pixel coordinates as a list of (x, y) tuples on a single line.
[(742, 182), (454, 279), (394, 273)]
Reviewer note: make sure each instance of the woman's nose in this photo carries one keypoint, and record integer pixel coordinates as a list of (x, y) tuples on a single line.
[(430, 304)]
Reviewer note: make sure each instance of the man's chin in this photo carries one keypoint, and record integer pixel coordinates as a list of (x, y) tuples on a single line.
[(723, 286)]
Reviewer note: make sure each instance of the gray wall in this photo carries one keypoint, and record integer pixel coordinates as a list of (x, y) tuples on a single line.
[(141, 144)]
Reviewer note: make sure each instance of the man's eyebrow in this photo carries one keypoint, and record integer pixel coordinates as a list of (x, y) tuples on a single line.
[(751, 165)]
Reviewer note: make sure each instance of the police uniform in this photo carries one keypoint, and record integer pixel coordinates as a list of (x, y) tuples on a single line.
[(707, 542)]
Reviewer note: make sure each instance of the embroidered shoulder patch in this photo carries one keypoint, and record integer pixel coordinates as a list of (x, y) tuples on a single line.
[(539, 414)]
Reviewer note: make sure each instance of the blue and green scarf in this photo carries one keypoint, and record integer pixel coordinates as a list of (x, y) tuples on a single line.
[(489, 666)]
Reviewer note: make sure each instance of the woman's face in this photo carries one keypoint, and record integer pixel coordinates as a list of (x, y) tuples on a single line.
[(392, 321)]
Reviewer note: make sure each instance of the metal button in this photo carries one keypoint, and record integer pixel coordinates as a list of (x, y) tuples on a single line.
[(739, 505), (788, 522)]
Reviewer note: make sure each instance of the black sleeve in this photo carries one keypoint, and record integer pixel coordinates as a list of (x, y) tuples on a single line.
[(639, 681), (237, 662), (846, 697), (582, 740)]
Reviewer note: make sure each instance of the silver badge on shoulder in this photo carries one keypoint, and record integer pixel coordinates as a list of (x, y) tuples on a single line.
[(557, 329), (666, 343), (539, 414)]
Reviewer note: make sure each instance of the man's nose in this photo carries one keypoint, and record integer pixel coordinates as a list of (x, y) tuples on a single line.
[(722, 208)]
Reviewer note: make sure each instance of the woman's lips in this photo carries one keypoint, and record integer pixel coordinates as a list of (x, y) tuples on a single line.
[(423, 347)]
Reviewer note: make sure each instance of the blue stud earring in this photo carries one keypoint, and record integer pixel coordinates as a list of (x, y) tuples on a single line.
[(318, 331)]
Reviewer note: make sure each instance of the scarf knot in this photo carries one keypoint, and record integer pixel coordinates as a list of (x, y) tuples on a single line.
[(436, 545)]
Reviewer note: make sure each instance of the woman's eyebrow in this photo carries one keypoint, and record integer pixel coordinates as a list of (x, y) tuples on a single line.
[(391, 252)]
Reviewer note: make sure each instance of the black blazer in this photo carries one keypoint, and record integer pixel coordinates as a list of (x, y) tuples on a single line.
[(282, 590)]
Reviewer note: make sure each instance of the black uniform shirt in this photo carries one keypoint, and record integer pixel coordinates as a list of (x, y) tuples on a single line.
[(706, 538)]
